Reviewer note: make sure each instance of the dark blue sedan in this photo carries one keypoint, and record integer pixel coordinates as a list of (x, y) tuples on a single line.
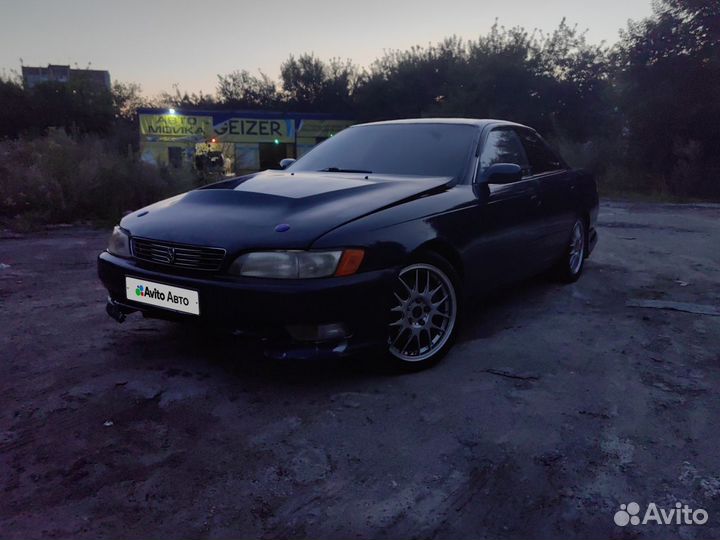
[(375, 239)]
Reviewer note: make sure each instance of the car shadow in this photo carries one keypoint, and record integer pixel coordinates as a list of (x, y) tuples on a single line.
[(242, 357), (505, 307)]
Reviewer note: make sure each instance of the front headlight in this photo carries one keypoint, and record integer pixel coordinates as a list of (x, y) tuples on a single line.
[(119, 243), (297, 264)]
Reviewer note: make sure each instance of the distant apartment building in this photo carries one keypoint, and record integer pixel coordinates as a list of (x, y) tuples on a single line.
[(33, 76)]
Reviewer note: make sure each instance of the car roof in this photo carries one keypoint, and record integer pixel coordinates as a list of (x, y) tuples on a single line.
[(479, 122)]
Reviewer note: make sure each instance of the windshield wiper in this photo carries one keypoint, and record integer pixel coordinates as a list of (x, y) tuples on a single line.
[(338, 169)]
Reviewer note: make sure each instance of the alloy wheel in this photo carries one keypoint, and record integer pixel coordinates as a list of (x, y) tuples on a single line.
[(577, 247), (424, 313)]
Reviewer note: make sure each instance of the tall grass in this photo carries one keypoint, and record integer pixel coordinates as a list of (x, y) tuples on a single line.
[(60, 178)]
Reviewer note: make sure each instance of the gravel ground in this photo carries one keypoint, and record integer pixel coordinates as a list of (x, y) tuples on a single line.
[(558, 404)]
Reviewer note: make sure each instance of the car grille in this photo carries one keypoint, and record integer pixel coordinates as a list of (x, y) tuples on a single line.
[(179, 255)]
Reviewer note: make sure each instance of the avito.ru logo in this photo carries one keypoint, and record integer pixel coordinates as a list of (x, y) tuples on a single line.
[(149, 292), (680, 515)]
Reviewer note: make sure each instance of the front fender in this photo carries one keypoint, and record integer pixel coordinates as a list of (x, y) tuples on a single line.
[(391, 236), (387, 247)]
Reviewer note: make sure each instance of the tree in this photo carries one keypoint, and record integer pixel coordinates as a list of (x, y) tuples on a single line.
[(309, 84), (182, 100), (410, 83), (76, 106), (557, 83), (241, 89), (668, 72), (127, 99), (14, 110)]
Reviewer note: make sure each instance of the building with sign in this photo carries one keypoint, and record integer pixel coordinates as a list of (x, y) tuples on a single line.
[(248, 140), (32, 76)]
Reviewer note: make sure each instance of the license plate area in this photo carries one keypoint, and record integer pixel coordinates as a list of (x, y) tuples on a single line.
[(161, 295)]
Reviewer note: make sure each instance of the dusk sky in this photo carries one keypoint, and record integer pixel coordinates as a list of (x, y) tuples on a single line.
[(157, 43)]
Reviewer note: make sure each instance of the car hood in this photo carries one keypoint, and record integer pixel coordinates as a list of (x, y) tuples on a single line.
[(243, 213)]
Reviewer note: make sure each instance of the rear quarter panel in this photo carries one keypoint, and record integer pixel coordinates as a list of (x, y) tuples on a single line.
[(587, 195)]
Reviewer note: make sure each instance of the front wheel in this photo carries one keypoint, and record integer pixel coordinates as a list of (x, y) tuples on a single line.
[(424, 314)]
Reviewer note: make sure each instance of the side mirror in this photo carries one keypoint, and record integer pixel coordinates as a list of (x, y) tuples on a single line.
[(502, 173), (285, 163)]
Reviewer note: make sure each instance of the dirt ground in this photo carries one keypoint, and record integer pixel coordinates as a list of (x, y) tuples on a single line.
[(558, 404)]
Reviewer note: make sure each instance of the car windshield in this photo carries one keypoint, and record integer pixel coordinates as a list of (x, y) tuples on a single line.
[(407, 149)]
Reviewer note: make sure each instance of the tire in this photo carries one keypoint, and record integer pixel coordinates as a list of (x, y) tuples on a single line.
[(425, 313), (570, 266)]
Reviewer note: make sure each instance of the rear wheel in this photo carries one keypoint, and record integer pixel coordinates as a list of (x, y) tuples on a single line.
[(570, 266), (424, 314)]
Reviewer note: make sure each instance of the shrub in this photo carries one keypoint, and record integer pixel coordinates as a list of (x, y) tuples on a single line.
[(60, 178)]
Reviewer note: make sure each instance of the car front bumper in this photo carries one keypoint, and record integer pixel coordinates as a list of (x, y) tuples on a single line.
[(269, 307)]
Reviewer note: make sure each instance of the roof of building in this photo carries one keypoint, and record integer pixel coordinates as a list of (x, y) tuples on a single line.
[(246, 113)]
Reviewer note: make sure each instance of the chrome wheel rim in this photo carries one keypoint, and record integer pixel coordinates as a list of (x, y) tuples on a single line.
[(577, 247), (423, 314)]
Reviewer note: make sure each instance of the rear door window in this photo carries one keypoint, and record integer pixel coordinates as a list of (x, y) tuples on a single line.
[(540, 156)]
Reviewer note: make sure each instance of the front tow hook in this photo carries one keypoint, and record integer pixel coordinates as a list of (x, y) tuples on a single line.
[(115, 311)]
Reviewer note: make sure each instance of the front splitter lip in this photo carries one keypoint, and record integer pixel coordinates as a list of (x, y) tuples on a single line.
[(276, 344), (296, 351)]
